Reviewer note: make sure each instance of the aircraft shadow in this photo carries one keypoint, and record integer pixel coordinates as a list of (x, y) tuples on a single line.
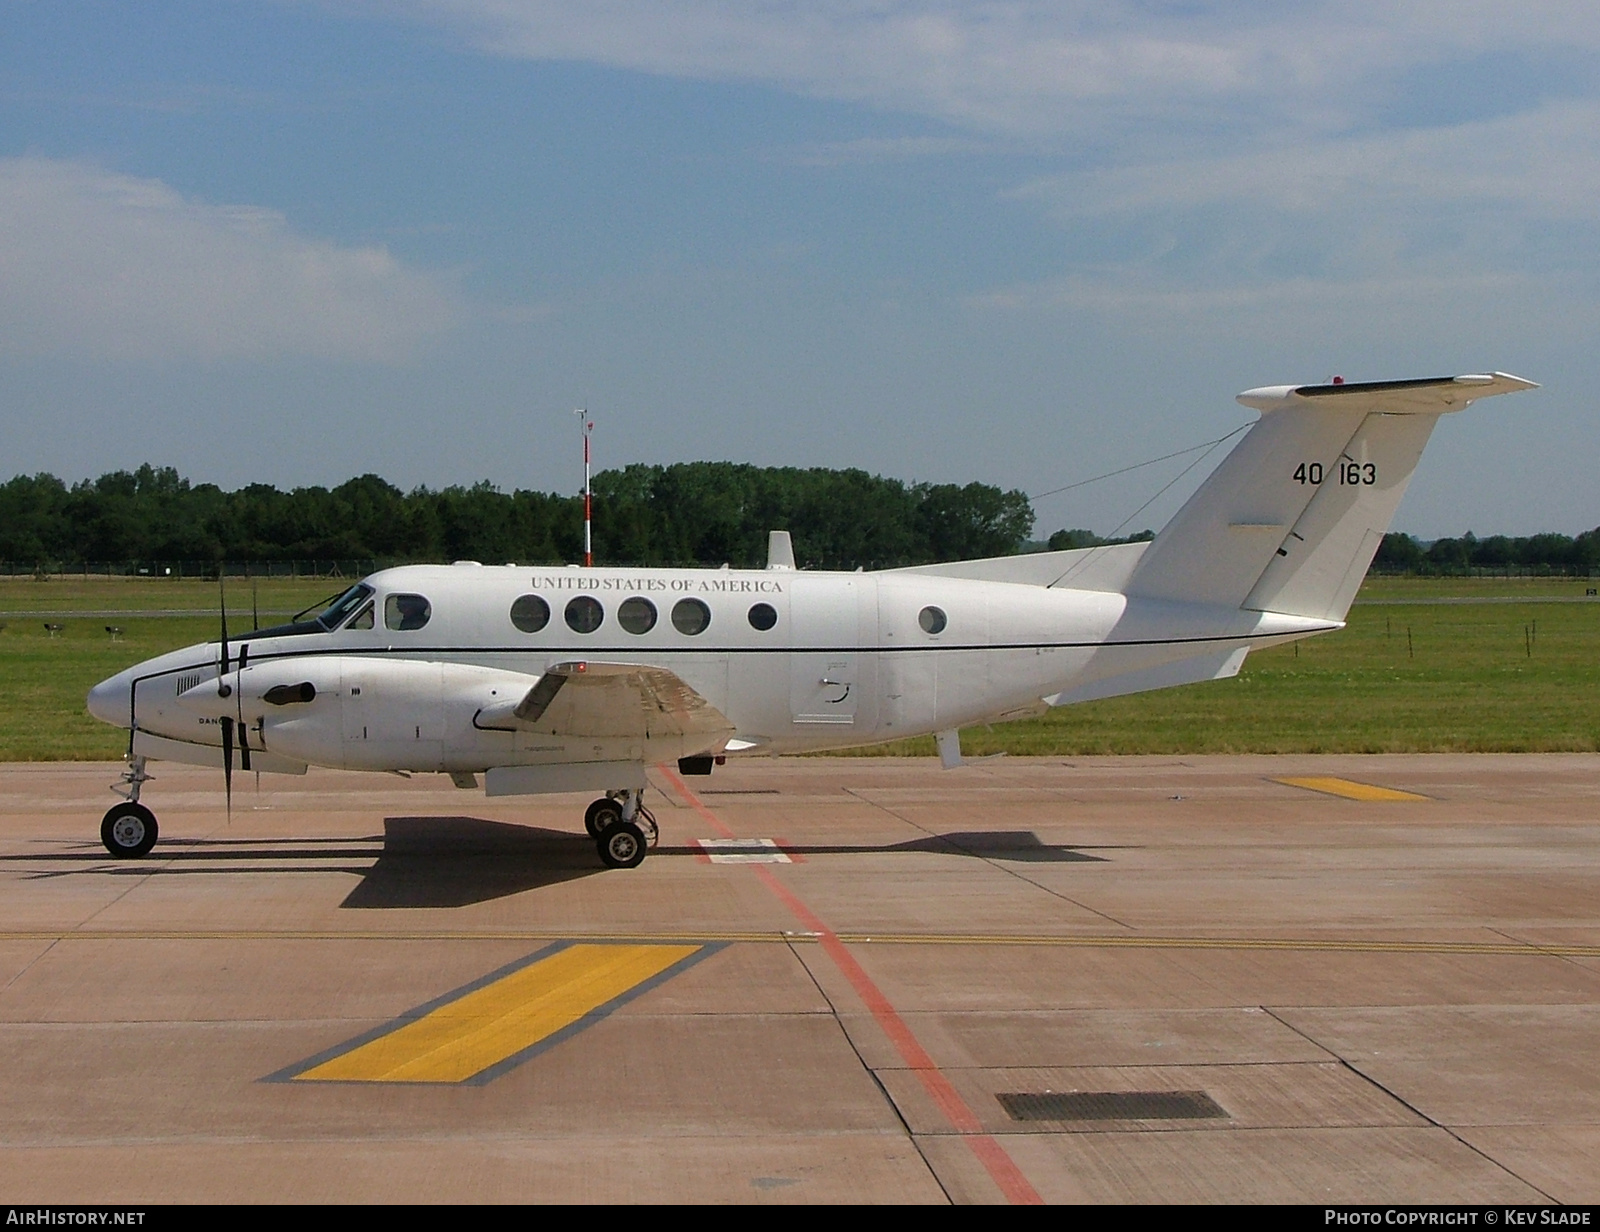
[(1019, 845), (458, 861), (420, 861)]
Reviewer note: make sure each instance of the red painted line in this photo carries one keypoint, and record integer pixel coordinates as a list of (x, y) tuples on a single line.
[(790, 850), (694, 802), (956, 1110)]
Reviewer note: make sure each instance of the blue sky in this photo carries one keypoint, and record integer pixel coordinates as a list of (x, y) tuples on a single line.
[(1022, 243)]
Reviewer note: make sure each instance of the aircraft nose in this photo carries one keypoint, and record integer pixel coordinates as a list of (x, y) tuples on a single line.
[(108, 701)]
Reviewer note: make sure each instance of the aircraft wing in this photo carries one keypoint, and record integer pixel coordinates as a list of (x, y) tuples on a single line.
[(609, 700)]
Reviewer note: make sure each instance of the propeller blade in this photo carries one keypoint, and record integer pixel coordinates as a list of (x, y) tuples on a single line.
[(244, 728), (227, 761), (222, 671)]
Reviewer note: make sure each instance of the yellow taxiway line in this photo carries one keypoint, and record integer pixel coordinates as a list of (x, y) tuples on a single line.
[(476, 1032), (1350, 789)]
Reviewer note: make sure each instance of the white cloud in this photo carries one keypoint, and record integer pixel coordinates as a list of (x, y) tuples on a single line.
[(866, 150), (1544, 161), (1490, 220), (98, 264), (1035, 67)]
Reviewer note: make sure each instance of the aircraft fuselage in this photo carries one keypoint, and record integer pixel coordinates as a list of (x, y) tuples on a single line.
[(795, 660)]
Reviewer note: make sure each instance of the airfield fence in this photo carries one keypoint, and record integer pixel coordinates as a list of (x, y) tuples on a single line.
[(209, 570), (202, 570), (1428, 569)]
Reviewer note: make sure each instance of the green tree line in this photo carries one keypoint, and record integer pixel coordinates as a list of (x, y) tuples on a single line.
[(692, 513), (1577, 555), (695, 513)]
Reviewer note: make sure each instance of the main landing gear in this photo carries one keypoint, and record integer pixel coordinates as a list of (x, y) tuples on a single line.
[(129, 829), (622, 828)]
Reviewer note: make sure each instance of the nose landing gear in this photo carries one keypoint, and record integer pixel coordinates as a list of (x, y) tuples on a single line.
[(129, 829), (623, 829)]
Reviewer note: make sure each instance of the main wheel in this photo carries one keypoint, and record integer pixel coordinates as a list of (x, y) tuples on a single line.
[(129, 830), (621, 845), (602, 814)]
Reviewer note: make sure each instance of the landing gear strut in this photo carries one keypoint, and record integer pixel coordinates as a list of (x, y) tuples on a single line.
[(129, 829), (622, 828)]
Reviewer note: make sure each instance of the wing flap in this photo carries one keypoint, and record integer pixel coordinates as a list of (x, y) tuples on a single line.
[(610, 700)]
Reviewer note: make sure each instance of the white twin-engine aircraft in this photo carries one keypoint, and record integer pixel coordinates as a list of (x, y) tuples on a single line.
[(577, 679)]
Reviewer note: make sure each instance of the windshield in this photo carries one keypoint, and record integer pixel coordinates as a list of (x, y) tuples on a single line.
[(341, 608)]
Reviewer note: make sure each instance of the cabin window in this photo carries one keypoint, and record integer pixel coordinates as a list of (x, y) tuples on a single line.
[(763, 616), (932, 620), (690, 616), (637, 615), (584, 614), (363, 621), (530, 613), (406, 612)]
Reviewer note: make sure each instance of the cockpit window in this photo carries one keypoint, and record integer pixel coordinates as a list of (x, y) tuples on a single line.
[(405, 612), (332, 616), (337, 612)]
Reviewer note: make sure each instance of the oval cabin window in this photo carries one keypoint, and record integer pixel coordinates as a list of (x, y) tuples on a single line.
[(637, 615), (931, 619), (690, 616), (584, 614), (763, 616), (530, 613)]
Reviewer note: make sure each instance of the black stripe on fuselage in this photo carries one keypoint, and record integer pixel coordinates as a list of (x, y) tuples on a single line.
[(432, 652)]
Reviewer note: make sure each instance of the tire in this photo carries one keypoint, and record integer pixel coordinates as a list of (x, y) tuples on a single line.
[(128, 831), (621, 845), (600, 815)]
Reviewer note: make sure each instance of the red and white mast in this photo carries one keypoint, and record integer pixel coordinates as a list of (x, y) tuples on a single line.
[(588, 494)]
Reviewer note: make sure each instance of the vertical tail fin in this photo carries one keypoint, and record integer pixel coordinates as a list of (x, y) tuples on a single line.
[(1291, 519)]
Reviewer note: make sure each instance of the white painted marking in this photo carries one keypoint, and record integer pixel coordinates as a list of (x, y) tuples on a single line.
[(743, 851)]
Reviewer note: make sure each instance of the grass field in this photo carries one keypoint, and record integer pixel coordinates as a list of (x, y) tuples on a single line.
[(44, 679), (1467, 665)]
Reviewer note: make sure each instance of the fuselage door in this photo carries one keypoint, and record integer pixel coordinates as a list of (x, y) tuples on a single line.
[(824, 685)]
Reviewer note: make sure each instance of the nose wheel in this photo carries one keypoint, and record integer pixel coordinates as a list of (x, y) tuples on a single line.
[(622, 828), (128, 830)]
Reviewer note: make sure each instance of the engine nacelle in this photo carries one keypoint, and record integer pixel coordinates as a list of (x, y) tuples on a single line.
[(358, 713), (355, 712)]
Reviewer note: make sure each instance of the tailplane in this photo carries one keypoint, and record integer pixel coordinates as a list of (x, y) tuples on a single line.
[(1292, 518)]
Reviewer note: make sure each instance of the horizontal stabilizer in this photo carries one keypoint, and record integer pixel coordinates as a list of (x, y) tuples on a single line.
[(1429, 395)]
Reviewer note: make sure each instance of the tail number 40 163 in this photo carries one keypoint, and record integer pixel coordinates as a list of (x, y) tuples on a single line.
[(1351, 474)]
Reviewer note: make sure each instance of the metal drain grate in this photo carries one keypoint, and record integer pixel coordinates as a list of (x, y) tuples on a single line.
[(1110, 1106)]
